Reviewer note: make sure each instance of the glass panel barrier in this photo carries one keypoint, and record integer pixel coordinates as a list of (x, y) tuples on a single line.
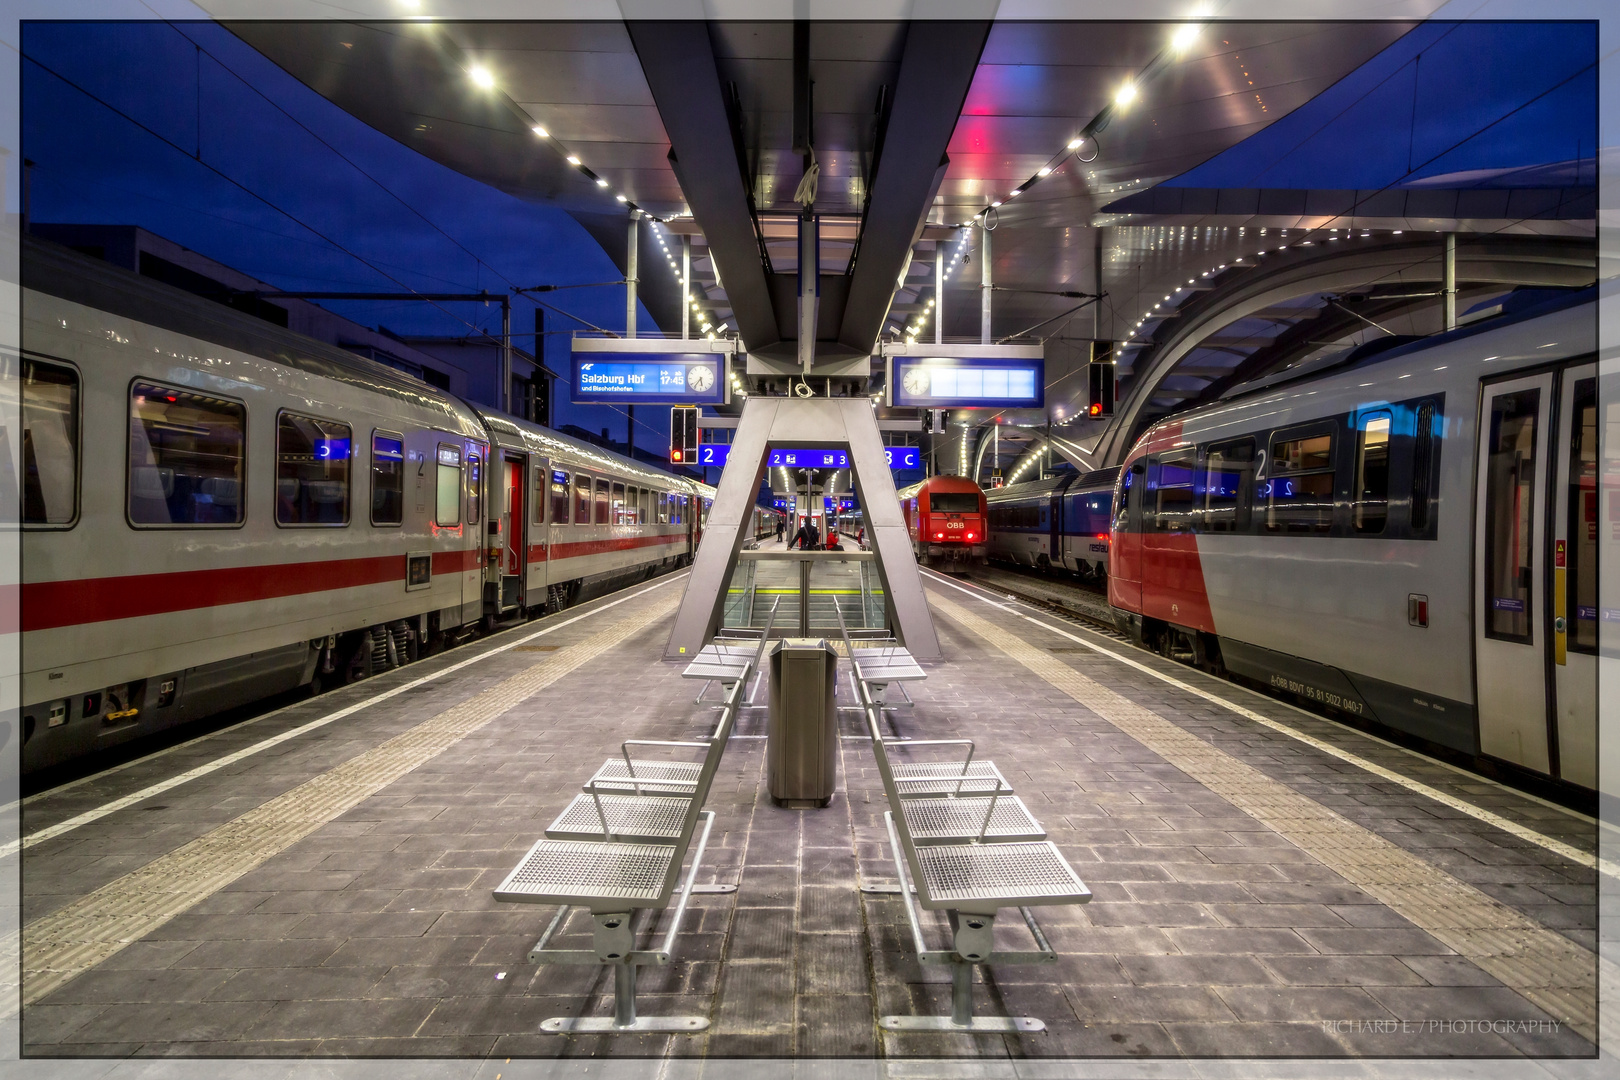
[(813, 587)]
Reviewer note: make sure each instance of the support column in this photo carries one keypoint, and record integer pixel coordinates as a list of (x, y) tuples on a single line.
[(503, 396), (984, 286), (630, 279), (816, 423), (1449, 287), (939, 292), (686, 287)]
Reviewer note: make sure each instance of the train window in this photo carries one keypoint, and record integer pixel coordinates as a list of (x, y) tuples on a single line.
[(601, 517), (1298, 488), (1510, 501), (447, 508), (582, 499), (953, 502), (678, 510), (185, 457), (50, 444), (559, 497), (541, 478), (1581, 581), (1371, 503), (621, 515), (312, 471), (1170, 485), (475, 489), (1422, 467), (387, 478), (1228, 486)]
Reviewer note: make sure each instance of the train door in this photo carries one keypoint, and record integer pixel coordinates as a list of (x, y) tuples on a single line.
[(1511, 632), (514, 532), (1125, 575), (1574, 595)]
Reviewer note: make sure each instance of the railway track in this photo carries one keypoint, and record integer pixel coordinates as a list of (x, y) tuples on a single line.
[(1065, 599)]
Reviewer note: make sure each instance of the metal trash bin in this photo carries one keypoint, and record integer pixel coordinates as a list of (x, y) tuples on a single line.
[(801, 733)]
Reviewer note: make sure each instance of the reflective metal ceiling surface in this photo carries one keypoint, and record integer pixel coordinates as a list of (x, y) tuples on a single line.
[(1036, 86)]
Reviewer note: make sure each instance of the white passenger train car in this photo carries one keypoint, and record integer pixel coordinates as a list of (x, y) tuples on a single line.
[(1409, 537), (215, 510)]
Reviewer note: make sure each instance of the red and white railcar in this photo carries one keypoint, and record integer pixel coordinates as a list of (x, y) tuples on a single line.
[(215, 510), (1409, 537)]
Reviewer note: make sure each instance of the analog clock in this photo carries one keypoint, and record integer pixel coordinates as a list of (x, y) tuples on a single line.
[(699, 378), (916, 382)]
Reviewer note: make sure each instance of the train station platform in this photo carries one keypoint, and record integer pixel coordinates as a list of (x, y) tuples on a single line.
[(1267, 884)]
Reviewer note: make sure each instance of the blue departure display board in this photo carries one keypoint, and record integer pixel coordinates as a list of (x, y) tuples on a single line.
[(647, 378), (933, 382), (900, 457)]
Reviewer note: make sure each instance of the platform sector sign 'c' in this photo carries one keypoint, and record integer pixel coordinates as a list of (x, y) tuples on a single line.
[(647, 378), (935, 382)]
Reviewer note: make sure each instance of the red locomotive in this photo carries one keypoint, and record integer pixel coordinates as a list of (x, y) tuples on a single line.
[(946, 518)]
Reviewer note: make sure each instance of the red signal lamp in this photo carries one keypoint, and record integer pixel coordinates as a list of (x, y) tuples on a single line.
[(674, 455), (1095, 409)]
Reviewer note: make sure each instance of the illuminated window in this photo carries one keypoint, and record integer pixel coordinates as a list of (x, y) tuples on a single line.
[(185, 457)]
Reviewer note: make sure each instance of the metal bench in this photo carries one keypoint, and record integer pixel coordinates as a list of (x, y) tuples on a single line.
[(630, 864), (726, 660), (968, 855), (878, 666)]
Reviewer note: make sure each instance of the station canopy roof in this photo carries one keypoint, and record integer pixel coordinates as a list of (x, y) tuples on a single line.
[(1161, 151)]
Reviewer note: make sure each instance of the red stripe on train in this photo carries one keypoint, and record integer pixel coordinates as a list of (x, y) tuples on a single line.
[(47, 605), (537, 552)]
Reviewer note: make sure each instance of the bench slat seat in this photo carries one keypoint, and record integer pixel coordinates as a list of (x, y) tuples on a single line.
[(649, 778), (955, 875), (925, 779), (643, 819), (944, 821), (587, 873)]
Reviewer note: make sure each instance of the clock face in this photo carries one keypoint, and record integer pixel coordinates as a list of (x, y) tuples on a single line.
[(699, 379), (916, 382)]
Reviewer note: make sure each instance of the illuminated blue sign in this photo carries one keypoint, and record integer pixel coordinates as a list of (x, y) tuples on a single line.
[(900, 457), (650, 378), (331, 449), (933, 382)]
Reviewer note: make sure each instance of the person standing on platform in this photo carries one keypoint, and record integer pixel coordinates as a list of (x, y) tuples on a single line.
[(808, 538), (781, 529)]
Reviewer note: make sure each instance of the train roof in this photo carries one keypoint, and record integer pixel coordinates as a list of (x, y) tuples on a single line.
[(1542, 302), (943, 482), (544, 440), (1361, 357), (66, 274), (1031, 489)]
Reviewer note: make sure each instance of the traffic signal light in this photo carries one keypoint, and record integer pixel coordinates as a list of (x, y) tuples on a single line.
[(1101, 372), (683, 434)]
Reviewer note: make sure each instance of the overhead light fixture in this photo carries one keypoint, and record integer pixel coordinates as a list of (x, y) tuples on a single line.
[(1044, 170), (601, 182), (573, 159), (1186, 34), (482, 77), (1126, 94), (540, 130)]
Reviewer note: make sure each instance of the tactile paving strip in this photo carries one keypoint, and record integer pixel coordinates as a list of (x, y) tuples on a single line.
[(565, 871), (1547, 968), (1034, 873), (944, 820), (628, 818), (59, 946)]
